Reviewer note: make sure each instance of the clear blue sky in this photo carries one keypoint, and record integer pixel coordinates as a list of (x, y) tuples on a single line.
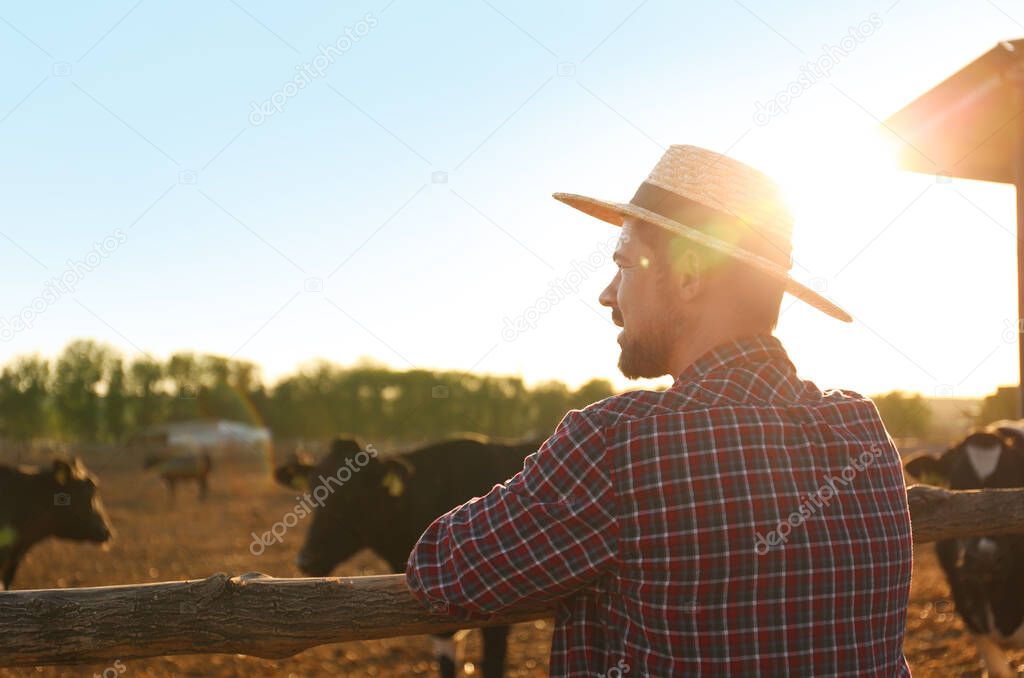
[(133, 120)]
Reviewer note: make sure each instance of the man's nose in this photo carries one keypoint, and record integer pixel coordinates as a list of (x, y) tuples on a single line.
[(608, 294)]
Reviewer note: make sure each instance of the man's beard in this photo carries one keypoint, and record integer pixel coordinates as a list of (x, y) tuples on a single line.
[(648, 357)]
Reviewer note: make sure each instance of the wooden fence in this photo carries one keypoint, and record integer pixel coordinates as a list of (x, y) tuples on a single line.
[(264, 616)]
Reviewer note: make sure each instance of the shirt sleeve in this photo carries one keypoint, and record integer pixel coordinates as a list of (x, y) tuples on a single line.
[(549, 530)]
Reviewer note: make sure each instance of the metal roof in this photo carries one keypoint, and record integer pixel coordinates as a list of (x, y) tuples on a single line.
[(966, 126)]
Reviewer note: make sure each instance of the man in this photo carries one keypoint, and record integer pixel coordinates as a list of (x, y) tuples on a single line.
[(742, 522)]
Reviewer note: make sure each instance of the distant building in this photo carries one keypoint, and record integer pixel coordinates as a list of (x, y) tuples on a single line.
[(217, 437)]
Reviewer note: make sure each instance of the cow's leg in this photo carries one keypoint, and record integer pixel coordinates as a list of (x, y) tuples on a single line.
[(170, 491), (996, 663), (495, 648), (8, 575), (201, 481), (10, 567), (444, 650)]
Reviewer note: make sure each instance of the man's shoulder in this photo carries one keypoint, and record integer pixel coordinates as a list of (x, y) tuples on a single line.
[(842, 394), (640, 404), (843, 401), (633, 405)]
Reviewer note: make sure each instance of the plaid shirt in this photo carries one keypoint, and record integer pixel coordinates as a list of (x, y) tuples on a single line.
[(741, 522)]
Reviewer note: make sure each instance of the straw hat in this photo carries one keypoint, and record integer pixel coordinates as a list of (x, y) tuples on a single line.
[(720, 203)]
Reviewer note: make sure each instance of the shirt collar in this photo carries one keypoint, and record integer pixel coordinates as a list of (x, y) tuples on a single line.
[(756, 348)]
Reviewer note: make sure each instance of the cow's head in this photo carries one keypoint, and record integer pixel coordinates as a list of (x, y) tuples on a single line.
[(989, 458), (294, 472), (353, 493), (77, 510)]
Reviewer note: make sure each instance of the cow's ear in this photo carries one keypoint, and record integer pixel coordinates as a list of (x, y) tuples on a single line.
[(396, 474), (928, 468), (345, 447), (1012, 436), (62, 471), (293, 476)]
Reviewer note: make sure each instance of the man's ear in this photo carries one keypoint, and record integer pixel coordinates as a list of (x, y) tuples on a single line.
[(688, 271), (294, 476), (62, 471), (396, 475), (928, 468)]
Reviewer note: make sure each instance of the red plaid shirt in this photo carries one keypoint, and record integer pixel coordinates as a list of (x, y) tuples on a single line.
[(741, 522)]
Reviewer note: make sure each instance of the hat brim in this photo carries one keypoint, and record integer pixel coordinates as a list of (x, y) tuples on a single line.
[(615, 213)]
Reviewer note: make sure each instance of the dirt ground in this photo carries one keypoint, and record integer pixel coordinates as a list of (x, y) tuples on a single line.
[(157, 542)]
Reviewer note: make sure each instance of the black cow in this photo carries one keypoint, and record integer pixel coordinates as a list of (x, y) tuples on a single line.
[(182, 467), (61, 501), (985, 574), (386, 504)]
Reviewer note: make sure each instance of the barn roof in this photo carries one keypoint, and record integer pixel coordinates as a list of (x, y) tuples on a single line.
[(966, 125)]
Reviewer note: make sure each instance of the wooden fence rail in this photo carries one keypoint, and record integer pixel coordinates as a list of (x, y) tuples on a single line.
[(268, 617)]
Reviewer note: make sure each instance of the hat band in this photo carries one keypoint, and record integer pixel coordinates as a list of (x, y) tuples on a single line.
[(718, 223)]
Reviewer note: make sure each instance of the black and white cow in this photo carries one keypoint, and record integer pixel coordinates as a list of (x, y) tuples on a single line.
[(60, 501), (985, 574), (386, 504)]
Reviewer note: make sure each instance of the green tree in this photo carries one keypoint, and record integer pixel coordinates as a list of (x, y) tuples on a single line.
[(116, 401), (591, 392), (149, 402), (78, 375), (549, 403), (904, 415), (24, 398)]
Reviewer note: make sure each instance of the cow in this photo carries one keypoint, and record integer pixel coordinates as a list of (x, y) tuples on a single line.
[(985, 574), (181, 467), (385, 505), (35, 503)]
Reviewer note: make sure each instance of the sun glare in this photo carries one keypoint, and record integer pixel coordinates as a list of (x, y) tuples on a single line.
[(819, 174), (838, 188)]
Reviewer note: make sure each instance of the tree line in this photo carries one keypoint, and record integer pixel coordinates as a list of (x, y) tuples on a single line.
[(91, 393), (911, 415)]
